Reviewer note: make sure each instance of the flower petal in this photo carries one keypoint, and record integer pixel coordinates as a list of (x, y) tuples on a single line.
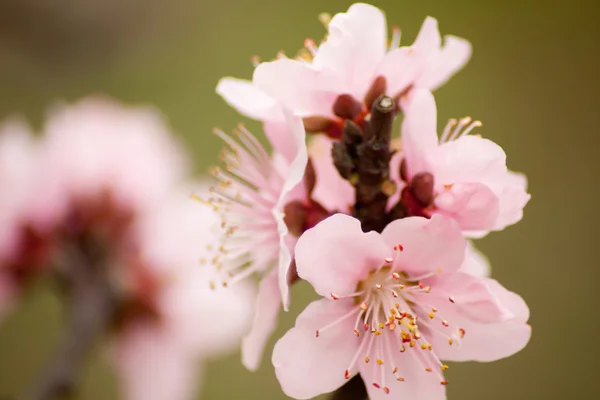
[(153, 366), (418, 384), (355, 45), (336, 254), (294, 178), (307, 366), (428, 40), (445, 63), (401, 68), (268, 303), (468, 159), (419, 130), (485, 341), (298, 86), (248, 99), (473, 205), (428, 245), (332, 191), (476, 263), (471, 297), (513, 198)]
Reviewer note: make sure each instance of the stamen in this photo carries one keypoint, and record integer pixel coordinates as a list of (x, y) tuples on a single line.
[(451, 124), (395, 43)]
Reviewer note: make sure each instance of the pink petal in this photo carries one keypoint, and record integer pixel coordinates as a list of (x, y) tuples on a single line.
[(298, 86), (268, 303), (473, 205), (336, 254), (419, 130), (471, 297), (486, 341), (293, 179), (513, 198), (355, 45), (307, 366), (428, 245), (476, 263), (248, 99), (153, 366), (418, 384), (468, 159), (281, 138), (332, 191), (428, 40), (401, 68), (445, 63)]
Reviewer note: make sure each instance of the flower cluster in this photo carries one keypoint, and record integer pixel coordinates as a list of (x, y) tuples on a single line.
[(379, 224), (100, 202)]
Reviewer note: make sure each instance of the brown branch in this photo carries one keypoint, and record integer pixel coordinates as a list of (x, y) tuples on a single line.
[(367, 157), (92, 307)]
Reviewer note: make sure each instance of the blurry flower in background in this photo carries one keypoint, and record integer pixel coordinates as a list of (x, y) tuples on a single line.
[(18, 171), (104, 192), (160, 358)]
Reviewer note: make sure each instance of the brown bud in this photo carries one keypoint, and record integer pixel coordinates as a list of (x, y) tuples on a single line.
[(422, 188), (342, 160), (346, 106), (352, 134), (295, 217)]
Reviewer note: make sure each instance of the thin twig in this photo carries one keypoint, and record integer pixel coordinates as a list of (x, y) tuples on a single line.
[(92, 306)]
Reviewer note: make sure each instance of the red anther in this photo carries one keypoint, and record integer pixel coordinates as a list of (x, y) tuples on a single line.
[(377, 385), (451, 299), (335, 296), (398, 247), (386, 390), (461, 333), (444, 382), (347, 374), (317, 333)]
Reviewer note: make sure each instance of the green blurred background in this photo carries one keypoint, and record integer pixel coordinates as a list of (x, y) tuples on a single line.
[(533, 80)]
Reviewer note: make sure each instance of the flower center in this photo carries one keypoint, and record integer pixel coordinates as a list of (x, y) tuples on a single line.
[(392, 313)]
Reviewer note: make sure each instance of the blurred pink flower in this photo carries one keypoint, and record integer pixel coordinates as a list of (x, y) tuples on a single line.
[(394, 305), (161, 357), (459, 175), (98, 147), (18, 171), (256, 196), (345, 74)]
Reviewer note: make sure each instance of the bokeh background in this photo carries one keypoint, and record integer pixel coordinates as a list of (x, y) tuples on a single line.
[(533, 80)]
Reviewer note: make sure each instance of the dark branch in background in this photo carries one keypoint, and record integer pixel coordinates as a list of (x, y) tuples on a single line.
[(364, 159), (91, 309)]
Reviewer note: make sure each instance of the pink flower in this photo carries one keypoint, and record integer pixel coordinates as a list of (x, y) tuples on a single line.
[(256, 197), (394, 305), (459, 175), (343, 76), (99, 147), (161, 356)]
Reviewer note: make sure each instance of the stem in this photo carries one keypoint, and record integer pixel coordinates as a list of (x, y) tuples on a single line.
[(354, 389), (93, 305)]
